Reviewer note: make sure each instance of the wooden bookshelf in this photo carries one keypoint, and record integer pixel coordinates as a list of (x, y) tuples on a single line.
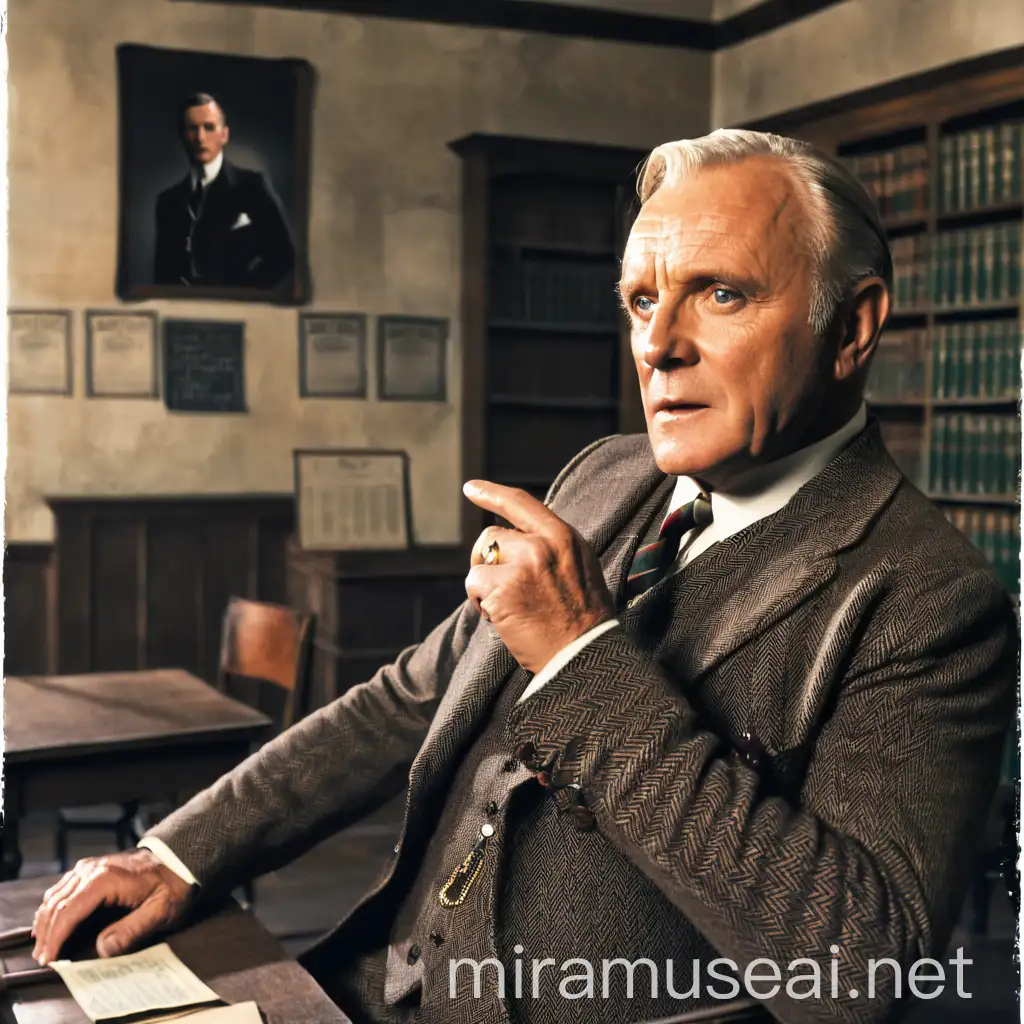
[(546, 360), (943, 160)]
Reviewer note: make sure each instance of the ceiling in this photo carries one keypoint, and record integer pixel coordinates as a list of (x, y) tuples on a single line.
[(694, 10)]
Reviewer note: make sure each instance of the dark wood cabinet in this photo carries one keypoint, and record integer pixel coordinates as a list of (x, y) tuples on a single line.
[(370, 605), (546, 361)]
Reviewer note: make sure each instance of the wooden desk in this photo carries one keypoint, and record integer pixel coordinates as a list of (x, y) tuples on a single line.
[(231, 951), (74, 741)]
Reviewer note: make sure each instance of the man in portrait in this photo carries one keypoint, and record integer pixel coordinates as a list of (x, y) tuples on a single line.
[(736, 689), (221, 225)]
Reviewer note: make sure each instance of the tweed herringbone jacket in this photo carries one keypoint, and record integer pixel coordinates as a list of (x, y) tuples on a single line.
[(860, 640)]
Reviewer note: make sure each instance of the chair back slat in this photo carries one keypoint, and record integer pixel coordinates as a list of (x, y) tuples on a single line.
[(272, 643)]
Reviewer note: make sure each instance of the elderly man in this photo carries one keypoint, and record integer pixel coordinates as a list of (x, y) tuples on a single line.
[(728, 705), (221, 225)]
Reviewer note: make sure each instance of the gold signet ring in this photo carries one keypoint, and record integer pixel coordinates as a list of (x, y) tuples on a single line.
[(492, 553)]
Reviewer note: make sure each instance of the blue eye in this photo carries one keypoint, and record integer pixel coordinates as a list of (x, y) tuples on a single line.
[(640, 304), (723, 296)]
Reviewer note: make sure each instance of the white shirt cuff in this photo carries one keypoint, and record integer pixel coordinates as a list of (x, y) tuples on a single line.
[(563, 657), (167, 857)]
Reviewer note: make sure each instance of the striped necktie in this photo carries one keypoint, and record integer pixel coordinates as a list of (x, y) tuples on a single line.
[(652, 561)]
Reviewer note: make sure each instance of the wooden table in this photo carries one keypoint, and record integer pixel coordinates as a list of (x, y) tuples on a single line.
[(74, 741), (230, 950)]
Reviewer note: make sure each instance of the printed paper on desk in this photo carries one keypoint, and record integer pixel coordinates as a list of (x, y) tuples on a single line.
[(138, 983)]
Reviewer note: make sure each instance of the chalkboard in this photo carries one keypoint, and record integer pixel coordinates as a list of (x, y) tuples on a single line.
[(204, 366)]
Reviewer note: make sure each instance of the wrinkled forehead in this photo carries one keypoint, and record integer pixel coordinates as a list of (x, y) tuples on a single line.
[(751, 210)]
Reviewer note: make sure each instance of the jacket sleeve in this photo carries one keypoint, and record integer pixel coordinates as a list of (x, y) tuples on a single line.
[(875, 856), (328, 770), (163, 260), (277, 249)]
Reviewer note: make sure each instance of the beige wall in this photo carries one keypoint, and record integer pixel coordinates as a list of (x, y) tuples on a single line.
[(852, 46), (384, 235)]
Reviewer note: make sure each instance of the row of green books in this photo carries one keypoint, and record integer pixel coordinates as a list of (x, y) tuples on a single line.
[(977, 359), (898, 369), (973, 454), (996, 533), (975, 266), (897, 180), (980, 167), (911, 271), (554, 292)]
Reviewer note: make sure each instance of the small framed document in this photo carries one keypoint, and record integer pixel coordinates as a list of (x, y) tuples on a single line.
[(332, 355), (39, 352), (121, 354), (412, 358), (204, 366), (352, 499)]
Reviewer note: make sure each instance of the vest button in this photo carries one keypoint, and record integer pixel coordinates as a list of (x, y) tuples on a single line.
[(492, 807), (527, 753), (414, 955), (583, 818)]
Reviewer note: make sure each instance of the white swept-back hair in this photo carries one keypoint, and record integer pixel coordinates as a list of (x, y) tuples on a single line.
[(846, 239)]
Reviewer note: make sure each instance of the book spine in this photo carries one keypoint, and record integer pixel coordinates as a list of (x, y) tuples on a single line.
[(1014, 245), (966, 380), (986, 445), (962, 165), (988, 360), (984, 187), (935, 454), (944, 189), (973, 169)]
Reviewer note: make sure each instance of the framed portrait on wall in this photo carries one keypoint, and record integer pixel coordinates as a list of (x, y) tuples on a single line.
[(214, 176)]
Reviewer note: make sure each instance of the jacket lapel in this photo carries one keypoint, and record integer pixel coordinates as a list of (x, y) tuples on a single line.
[(749, 588)]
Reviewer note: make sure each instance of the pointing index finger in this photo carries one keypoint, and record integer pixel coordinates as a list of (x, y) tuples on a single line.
[(522, 510)]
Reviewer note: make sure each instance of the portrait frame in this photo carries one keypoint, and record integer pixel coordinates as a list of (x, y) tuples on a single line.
[(427, 390), (95, 388), (308, 388), (268, 108), (64, 390), (392, 469)]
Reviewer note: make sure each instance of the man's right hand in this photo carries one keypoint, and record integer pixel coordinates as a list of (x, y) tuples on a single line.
[(154, 896)]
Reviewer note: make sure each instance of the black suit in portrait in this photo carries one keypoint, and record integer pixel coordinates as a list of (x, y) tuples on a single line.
[(235, 235)]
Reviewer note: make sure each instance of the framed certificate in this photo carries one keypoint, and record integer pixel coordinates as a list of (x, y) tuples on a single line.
[(412, 358), (332, 355), (352, 499), (121, 354), (39, 352)]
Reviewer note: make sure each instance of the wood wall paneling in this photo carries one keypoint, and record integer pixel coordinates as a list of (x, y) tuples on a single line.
[(142, 583), (28, 609)]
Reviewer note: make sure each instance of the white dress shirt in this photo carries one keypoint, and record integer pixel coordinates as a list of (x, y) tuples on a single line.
[(759, 493), (209, 172)]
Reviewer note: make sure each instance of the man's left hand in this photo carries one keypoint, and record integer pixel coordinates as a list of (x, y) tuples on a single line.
[(545, 588)]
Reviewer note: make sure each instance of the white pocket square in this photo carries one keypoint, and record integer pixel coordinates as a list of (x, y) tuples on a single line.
[(243, 221)]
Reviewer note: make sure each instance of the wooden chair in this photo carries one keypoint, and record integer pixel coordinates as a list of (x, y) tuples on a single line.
[(269, 643), (260, 643)]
